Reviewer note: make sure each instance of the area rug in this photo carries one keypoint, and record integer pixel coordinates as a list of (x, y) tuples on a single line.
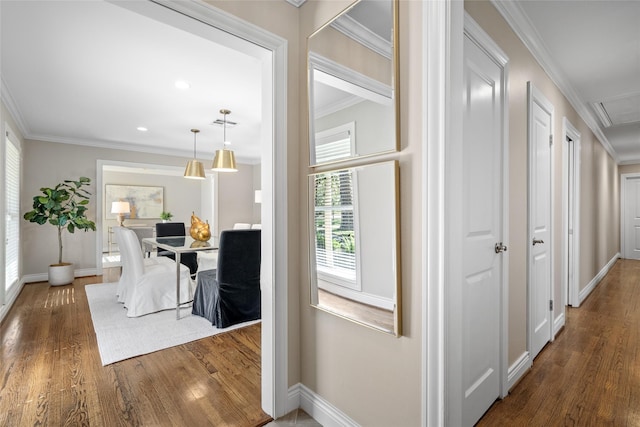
[(121, 337)]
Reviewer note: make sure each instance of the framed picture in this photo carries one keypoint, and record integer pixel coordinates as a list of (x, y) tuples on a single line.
[(144, 202)]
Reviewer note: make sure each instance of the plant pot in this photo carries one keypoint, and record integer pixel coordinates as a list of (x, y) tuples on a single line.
[(61, 274)]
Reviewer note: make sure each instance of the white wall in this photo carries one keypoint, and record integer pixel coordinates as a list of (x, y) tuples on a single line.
[(236, 197), (374, 126)]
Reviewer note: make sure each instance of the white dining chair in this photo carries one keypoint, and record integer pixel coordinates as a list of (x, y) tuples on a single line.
[(149, 287), (121, 291), (241, 226)]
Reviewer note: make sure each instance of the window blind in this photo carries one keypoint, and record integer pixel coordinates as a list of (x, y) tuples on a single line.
[(12, 212), (333, 147), (335, 143), (333, 214)]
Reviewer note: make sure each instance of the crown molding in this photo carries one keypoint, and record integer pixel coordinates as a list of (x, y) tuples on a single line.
[(296, 3), (12, 107), (361, 34), (326, 65), (515, 16)]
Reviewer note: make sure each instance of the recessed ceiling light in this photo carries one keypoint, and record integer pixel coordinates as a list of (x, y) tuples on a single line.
[(181, 84), (142, 128)]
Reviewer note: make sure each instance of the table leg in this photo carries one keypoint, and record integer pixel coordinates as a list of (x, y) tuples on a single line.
[(177, 285)]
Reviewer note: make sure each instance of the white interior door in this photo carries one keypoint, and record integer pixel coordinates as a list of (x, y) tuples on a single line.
[(571, 214), (482, 231), (631, 221), (540, 237)]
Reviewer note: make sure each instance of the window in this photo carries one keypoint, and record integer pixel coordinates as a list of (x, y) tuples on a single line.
[(335, 144), (335, 228), (12, 211)]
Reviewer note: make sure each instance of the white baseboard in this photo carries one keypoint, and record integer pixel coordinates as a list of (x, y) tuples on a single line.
[(518, 369), (10, 298), (43, 277), (584, 293), (558, 323), (320, 409)]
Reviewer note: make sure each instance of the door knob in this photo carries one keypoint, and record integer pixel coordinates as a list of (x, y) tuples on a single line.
[(500, 247), (536, 241)]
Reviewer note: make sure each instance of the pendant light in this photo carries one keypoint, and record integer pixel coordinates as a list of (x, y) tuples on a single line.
[(194, 169), (225, 160)]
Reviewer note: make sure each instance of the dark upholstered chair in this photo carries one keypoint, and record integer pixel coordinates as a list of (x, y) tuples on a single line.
[(230, 294), (167, 229)]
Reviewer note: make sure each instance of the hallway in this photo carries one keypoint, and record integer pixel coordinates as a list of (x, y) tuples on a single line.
[(590, 375)]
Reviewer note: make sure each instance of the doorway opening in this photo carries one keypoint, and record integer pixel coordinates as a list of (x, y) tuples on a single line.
[(570, 216), (271, 50)]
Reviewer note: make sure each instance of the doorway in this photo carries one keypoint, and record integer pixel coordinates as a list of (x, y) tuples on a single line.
[(271, 50), (540, 246), (142, 174), (630, 224), (571, 214)]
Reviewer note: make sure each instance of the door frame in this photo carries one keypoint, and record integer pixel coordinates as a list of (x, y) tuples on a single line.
[(274, 272), (571, 289), (534, 95), (442, 33), (624, 179), (451, 289)]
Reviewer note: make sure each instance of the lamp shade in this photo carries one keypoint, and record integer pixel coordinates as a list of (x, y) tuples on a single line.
[(120, 207), (194, 170), (224, 161)]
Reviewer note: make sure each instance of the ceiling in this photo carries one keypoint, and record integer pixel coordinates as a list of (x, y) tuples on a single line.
[(591, 49), (93, 72)]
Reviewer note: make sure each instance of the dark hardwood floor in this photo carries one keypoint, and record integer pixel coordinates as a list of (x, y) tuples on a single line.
[(50, 370), (51, 374), (590, 375)]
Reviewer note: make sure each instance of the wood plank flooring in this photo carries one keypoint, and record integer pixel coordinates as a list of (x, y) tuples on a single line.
[(590, 375), (51, 373)]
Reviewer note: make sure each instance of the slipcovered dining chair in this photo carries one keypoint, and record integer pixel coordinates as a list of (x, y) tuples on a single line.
[(148, 286), (230, 294), (121, 291), (241, 226), (167, 229)]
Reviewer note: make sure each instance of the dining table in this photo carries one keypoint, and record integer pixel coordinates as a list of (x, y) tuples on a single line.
[(179, 245)]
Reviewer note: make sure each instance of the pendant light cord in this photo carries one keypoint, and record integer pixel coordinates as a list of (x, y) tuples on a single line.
[(195, 133), (224, 130)]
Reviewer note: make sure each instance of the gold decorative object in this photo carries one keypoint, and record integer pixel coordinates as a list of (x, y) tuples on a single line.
[(199, 230), (199, 244)]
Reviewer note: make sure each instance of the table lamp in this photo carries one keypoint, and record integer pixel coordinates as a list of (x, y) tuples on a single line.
[(120, 208)]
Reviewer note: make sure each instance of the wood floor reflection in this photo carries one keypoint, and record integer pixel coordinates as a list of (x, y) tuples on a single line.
[(52, 374), (367, 314)]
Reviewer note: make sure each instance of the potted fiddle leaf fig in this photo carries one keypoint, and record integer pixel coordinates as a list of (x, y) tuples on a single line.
[(65, 207)]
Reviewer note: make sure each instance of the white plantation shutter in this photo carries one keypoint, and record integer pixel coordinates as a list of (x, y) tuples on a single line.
[(335, 144), (334, 225), (12, 211)]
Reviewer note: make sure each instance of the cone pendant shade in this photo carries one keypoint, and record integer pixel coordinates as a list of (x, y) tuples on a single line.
[(224, 161), (194, 170)]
